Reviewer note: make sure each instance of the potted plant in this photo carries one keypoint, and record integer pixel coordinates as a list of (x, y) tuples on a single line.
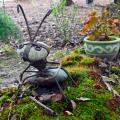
[(102, 35)]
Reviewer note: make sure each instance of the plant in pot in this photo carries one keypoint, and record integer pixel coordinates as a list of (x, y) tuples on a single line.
[(102, 35)]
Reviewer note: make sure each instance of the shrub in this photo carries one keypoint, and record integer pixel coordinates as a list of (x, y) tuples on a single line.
[(65, 21), (8, 29), (114, 10)]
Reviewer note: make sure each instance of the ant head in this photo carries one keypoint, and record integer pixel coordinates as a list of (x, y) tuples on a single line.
[(33, 51)]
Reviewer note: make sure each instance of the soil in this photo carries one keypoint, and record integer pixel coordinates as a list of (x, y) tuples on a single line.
[(11, 66)]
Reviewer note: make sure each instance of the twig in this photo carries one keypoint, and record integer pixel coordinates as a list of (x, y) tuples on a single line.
[(42, 105)]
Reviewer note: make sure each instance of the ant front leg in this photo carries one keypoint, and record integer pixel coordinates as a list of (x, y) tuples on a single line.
[(21, 75), (19, 93)]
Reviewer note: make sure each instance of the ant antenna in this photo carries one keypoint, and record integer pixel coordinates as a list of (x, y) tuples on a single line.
[(47, 14), (19, 7)]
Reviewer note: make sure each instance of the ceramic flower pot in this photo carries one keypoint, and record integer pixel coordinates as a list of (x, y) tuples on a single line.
[(102, 49)]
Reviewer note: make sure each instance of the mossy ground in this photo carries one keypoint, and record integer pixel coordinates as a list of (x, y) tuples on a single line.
[(98, 108)]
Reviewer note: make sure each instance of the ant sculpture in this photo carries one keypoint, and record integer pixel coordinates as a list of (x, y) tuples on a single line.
[(36, 54)]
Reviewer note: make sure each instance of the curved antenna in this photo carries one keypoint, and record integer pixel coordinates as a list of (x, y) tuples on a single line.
[(47, 14), (19, 7)]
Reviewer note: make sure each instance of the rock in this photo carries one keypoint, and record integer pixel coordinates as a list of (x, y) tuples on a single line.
[(45, 97), (3, 74)]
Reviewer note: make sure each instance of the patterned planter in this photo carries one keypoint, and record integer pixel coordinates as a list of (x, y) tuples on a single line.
[(102, 49)]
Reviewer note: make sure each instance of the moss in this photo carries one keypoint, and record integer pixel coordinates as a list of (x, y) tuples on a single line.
[(115, 70), (95, 109), (4, 115), (77, 72), (8, 91), (70, 59), (38, 117), (25, 100), (59, 107), (117, 87), (5, 99), (87, 60), (79, 50), (77, 59), (7, 50)]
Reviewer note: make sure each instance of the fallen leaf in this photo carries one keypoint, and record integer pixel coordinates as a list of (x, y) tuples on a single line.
[(73, 105), (67, 113), (1, 109), (83, 99), (102, 65), (56, 97), (109, 87)]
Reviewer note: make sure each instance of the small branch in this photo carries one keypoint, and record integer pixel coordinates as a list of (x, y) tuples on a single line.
[(42, 105)]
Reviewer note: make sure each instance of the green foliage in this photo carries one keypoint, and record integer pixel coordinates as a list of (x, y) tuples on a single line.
[(117, 87), (115, 69), (8, 28), (57, 9), (80, 50), (5, 99), (65, 22), (114, 10)]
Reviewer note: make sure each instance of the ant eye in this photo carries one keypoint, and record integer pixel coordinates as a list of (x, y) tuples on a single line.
[(37, 48), (20, 46), (21, 54)]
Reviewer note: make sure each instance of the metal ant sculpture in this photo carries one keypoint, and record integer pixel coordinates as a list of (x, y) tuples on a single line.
[(36, 54)]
